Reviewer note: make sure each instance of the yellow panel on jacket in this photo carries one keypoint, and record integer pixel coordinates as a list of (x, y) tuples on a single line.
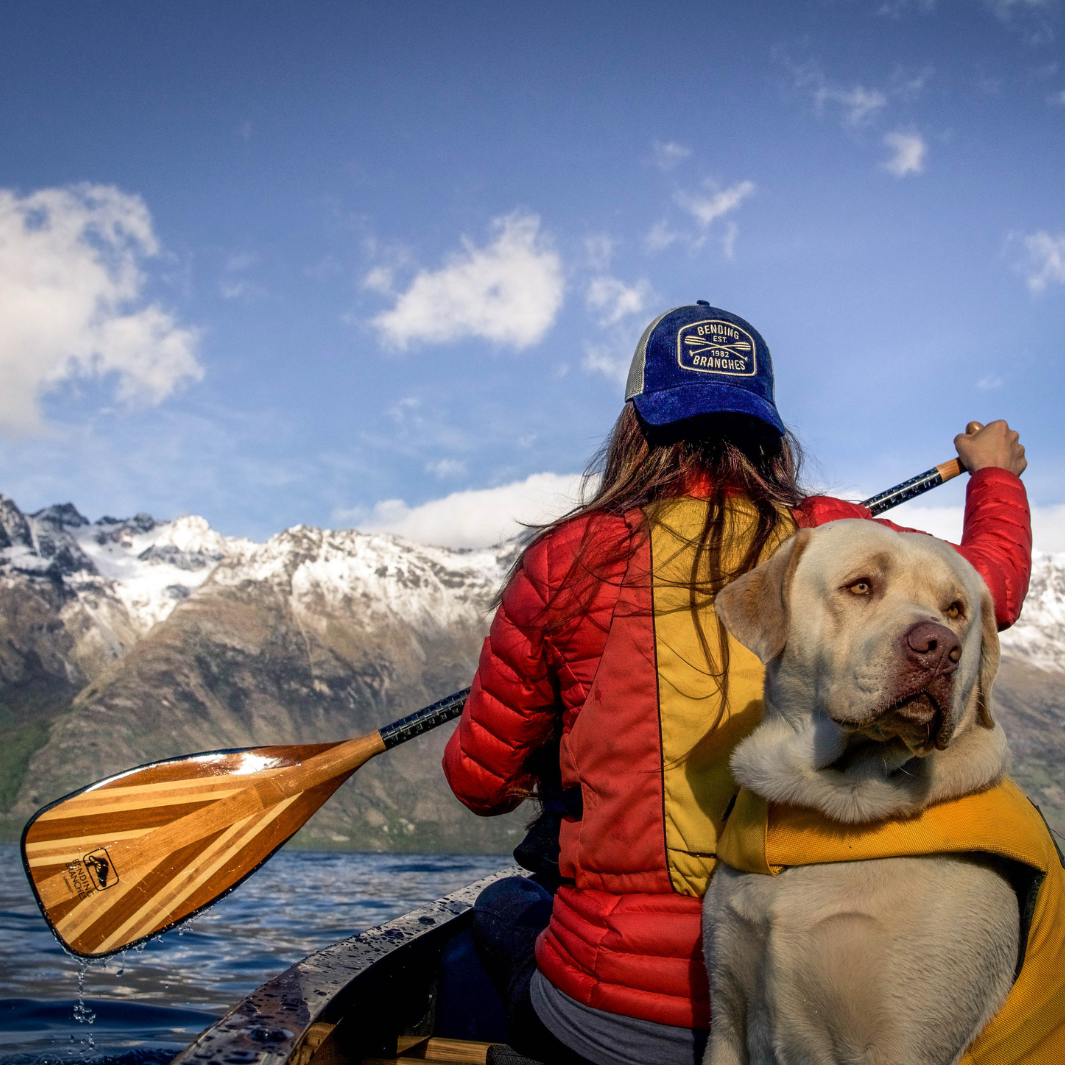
[(1029, 1029), (698, 735)]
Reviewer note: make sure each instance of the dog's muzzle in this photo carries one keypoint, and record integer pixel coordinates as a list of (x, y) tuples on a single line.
[(919, 711)]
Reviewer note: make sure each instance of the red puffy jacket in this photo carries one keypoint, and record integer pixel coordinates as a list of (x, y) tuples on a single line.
[(626, 935)]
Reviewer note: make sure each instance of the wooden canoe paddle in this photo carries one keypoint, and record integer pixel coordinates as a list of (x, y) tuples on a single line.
[(130, 857)]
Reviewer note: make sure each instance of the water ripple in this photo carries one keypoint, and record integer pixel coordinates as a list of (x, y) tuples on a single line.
[(151, 1000)]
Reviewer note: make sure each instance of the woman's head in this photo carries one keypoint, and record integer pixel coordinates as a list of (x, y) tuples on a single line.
[(710, 429), (700, 415), (697, 360)]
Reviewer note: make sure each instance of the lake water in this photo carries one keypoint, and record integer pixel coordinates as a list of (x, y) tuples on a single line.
[(141, 1007)]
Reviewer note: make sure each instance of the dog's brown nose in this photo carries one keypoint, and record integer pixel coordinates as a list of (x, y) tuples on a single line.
[(932, 647)]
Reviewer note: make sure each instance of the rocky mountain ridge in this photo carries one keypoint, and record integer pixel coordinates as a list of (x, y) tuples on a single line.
[(133, 640), (128, 640)]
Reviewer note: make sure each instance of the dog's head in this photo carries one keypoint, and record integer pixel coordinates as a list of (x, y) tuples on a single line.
[(889, 635)]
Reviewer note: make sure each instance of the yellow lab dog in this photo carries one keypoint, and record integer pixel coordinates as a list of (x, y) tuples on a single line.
[(880, 652)]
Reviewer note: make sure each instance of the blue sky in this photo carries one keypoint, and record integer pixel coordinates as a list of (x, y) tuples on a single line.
[(384, 264)]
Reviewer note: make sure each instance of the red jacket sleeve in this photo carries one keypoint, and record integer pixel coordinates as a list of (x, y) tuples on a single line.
[(996, 536), (997, 539), (511, 708)]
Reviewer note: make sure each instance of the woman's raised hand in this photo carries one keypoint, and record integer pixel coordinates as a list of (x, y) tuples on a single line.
[(994, 444)]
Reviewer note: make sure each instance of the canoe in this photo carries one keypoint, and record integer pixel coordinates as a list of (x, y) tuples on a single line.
[(411, 989)]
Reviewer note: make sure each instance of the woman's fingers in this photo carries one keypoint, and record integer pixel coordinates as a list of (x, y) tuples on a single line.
[(994, 444)]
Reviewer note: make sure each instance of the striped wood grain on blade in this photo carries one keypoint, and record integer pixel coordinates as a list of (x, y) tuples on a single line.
[(132, 856), (223, 861)]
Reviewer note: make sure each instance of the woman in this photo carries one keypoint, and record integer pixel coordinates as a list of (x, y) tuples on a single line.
[(605, 642)]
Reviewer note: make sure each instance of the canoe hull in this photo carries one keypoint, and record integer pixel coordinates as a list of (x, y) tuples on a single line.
[(413, 977)]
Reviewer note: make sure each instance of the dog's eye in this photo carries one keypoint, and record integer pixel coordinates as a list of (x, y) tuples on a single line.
[(862, 586), (955, 610)]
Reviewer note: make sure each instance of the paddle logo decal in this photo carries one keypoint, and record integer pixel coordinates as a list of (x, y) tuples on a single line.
[(95, 872), (100, 869), (716, 346)]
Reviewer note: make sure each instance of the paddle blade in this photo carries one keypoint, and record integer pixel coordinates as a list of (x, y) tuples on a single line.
[(136, 854)]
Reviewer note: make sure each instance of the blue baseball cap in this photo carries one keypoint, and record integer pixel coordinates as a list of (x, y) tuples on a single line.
[(701, 360)]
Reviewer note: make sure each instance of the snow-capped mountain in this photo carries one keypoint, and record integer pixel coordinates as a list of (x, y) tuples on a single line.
[(154, 639), (147, 565), (1038, 638)]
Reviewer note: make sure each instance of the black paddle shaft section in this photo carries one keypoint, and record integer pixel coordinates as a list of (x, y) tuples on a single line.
[(915, 486), (406, 728)]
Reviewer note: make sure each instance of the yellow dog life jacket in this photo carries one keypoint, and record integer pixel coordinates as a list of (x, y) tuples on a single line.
[(1029, 1029)]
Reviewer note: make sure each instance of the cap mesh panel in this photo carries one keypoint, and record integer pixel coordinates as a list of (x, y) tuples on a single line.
[(634, 385)]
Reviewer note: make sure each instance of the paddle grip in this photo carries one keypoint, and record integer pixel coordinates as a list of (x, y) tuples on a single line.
[(915, 486), (406, 728)]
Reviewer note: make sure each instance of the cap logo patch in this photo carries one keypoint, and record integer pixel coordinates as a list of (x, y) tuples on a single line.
[(716, 346)]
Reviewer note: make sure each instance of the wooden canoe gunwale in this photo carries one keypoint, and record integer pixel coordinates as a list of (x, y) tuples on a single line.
[(269, 1026)]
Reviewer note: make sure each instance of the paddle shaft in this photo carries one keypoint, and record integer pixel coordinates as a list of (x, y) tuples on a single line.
[(406, 728), (915, 486)]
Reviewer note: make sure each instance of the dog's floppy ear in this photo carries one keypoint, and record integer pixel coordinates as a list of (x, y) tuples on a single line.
[(755, 607), (989, 655)]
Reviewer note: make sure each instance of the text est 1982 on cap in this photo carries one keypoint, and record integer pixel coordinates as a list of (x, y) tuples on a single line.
[(700, 359)]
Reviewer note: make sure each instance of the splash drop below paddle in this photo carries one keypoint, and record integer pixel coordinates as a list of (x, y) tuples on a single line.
[(134, 855)]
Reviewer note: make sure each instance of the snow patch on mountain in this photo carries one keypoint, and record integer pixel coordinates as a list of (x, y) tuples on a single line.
[(153, 565), (1038, 637), (143, 568), (146, 566), (373, 575)]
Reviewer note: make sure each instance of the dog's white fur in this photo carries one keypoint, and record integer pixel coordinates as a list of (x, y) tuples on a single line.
[(898, 961)]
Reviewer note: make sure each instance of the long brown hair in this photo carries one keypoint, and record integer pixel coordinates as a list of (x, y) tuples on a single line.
[(717, 456)]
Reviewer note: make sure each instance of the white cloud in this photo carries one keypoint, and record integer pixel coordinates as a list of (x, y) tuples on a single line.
[(705, 207), (444, 468), (610, 359), (71, 301), (908, 84), (669, 154), (611, 299), (989, 383), (379, 279), (599, 250), (239, 288), (477, 518), (1048, 528), (487, 516), (895, 8), (1057, 99), (728, 241), (1046, 259), (1006, 8), (909, 153), (857, 103), (508, 292), (1048, 523), (661, 236), (615, 306)]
